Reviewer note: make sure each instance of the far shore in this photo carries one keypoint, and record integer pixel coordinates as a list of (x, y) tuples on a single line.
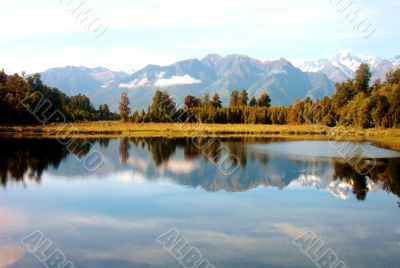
[(386, 138)]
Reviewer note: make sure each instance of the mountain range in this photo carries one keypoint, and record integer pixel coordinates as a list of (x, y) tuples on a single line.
[(282, 80), (344, 64)]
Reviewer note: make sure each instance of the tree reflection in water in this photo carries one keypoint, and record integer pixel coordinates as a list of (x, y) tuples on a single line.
[(29, 158)]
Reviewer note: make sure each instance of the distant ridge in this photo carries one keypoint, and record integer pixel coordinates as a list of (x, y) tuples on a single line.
[(283, 81)]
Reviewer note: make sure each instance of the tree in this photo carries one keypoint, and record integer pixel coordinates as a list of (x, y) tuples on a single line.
[(143, 116), (380, 111), (216, 101), (124, 109), (234, 101), (27, 100), (206, 100), (393, 77), (362, 78), (243, 98), (136, 117), (344, 94), (162, 108), (295, 113), (124, 147), (253, 102), (104, 112), (81, 102), (191, 102), (264, 101)]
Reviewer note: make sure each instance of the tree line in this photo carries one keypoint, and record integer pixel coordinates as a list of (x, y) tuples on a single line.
[(356, 102), (25, 99)]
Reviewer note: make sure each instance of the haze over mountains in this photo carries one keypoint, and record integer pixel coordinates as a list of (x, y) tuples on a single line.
[(283, 81)]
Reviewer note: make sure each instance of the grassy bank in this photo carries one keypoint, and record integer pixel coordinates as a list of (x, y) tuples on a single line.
[(388, 138)]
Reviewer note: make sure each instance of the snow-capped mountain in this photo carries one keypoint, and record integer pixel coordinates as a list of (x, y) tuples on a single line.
[(344, 64), (395, 61), (214, 73), (280, 79)]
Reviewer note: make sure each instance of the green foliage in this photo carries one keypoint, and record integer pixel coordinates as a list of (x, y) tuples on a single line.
[(162, 108), (355, 103), (358, 104), (234, 101), (362, 79), (206, 100), (243, 98), (29, 101), (253, 102), (191, 102), (216, 101), (264, 101), (124, 109)]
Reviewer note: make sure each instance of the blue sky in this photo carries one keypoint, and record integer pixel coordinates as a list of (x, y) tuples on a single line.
[(36, 35)]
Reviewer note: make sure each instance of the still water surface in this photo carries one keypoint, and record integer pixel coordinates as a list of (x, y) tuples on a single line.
[(280, 190)]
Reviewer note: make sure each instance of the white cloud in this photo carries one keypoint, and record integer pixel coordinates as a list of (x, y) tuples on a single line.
[(161, 32), (181, 166), (130, 177), (176, 81), (161, 82), (136, 83)]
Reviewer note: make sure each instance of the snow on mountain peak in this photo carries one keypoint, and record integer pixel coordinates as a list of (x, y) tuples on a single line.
[(395, 61), (345, 63), (347, 59)]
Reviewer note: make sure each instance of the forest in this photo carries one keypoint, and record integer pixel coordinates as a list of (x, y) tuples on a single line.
[(20, 96), (357, 102)]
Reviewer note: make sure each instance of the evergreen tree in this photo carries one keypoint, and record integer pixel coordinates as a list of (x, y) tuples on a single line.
[(234, 100), (264, 101), (162, 108), (124, 109), (104, 112), (393, 77), (253, 102), (243, 98), (192, 102), (216, 101), (344, 94), (380, 111), (295, 114), (206, 100), (136, 117), (362, 78)]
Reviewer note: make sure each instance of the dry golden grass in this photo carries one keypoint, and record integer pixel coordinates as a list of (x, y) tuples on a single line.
[(389, 138)]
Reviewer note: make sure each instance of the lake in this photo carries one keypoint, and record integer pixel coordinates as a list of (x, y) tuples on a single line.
[(243, 202)]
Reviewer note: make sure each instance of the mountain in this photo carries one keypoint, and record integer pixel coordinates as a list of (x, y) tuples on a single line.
[(74, 80), (344, 64), (283, 81)]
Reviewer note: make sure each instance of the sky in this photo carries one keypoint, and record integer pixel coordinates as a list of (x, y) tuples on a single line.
[(128, 35)]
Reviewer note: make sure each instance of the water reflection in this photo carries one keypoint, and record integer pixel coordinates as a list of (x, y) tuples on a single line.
[(26, 157), (186, 162), (112, 218)]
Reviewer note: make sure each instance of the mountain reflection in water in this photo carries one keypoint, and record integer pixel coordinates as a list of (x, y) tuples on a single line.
[(183, 162)]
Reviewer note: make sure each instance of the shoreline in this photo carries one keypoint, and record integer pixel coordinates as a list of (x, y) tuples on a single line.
[(385, 138)]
